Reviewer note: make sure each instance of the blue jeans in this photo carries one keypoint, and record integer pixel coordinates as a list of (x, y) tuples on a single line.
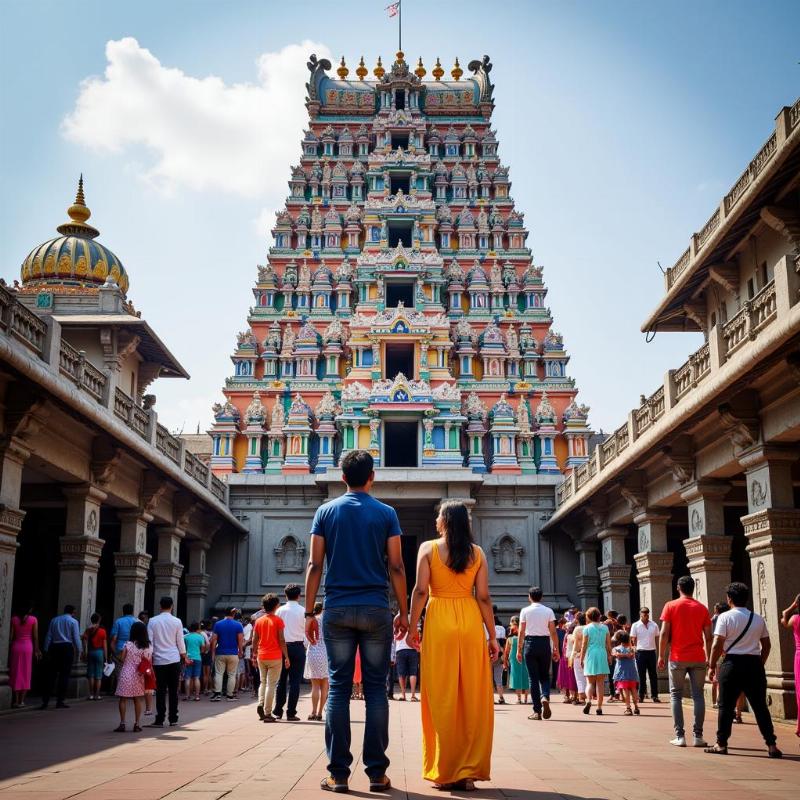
[(696, 671), (368, 628), (538, 656)]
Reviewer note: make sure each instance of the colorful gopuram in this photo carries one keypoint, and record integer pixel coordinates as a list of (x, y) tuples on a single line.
[(400, 309)]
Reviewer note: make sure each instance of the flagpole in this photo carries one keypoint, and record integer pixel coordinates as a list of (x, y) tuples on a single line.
[(400, 25)]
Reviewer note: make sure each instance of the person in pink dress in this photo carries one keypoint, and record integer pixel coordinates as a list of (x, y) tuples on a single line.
[(130, 683), (24, 648), (791, 619)]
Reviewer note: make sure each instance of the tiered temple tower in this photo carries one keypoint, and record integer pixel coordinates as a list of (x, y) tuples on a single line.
[(400, 311)]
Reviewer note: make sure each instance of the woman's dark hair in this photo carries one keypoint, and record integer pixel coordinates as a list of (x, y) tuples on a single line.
[(581, 617), (497, 620), (194, 627), (23, 610), (623, 637), (139, 635), (457, 534), (95, 618), (270, 602)]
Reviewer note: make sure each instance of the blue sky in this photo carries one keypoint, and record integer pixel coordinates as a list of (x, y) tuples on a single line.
[(623, 125)]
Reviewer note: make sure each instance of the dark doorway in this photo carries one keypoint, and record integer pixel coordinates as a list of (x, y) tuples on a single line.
[(402, 291), (400, 232), (400, 444), (400, 98), (400, 358), (401, 182)]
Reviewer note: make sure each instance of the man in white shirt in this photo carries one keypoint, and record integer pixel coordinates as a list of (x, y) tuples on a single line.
[(537, 629), (169, 650), (293, 616), (742, 635), (644, 637)]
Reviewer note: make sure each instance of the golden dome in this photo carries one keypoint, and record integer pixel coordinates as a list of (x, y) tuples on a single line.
[(420, 71), (379, 71), (361, 70), (73, 260), (437, 71), (456, 72), (342, 70)]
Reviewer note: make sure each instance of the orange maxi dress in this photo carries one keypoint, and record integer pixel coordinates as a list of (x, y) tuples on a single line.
[(457, 703)]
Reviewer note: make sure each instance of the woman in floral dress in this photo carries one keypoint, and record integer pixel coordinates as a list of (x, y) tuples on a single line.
[(130, 683), (317, 670)]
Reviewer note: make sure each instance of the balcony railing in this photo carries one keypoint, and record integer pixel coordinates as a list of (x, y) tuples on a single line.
[(788, 120), (755, 316), (21, 324)]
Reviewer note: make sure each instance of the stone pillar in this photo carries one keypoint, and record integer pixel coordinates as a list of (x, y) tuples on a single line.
[(81, 547), (168, 569), (196, 581), (772, 528), (653, 562), (614, 572), (708, 549), (587, 580), (13, 455), (132, 562)]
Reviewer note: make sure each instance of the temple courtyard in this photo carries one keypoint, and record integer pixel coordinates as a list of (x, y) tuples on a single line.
[(222, 751)]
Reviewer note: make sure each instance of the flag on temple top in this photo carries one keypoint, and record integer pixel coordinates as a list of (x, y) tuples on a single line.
[(393, 8)]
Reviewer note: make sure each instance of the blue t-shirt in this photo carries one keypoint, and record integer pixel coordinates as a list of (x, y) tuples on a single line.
[(227, 631), (625, 669), (356, 527), (122, 630), (193, 642)]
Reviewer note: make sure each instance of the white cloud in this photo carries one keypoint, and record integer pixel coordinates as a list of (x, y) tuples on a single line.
[(199, 133)]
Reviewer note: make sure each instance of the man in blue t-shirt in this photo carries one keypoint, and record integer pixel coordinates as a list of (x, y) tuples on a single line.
[(359, 537), (227, 641)]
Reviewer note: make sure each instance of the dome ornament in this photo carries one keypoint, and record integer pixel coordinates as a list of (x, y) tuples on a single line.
[(379, 71), (361, 70), (78, 213), (420, 71), (456, 72), (437, 71), (342, 71)]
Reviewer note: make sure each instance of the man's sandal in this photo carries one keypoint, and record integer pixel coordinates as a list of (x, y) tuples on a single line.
[(383, 784), (465, 785), (716, 750)]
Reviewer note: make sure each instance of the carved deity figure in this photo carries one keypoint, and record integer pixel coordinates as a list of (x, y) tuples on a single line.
[(278, 417)]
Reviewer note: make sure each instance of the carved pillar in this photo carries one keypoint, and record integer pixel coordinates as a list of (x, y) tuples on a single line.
[(708, 549), (13, 455), (132, 562), (81, 547), (196, 581), (614, 572), (587, 580), (168, 569), (653, 561), (772, 528)]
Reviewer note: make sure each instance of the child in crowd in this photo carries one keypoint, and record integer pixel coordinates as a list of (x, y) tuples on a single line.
[(192, 672), (626, 677)]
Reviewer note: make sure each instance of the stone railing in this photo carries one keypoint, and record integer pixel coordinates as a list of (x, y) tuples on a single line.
[(19, 323), (786, 122), (724, 342)]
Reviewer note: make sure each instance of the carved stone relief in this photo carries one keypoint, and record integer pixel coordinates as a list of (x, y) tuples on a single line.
[(696, 521), (289, 555), (507, 552), (644, 540), (758, 494), (761, 572), (91, 523)]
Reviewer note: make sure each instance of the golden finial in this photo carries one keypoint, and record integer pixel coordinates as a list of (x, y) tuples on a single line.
[(456, 72), (78, 213), (379, 71), (342, 71), (400, 56), (361, 70), (437, 71), (420, 71)]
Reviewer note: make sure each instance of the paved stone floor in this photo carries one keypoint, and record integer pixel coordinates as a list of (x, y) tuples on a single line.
[(223, 751)]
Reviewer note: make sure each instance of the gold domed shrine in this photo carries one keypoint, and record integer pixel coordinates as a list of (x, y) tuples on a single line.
[(73, 261)]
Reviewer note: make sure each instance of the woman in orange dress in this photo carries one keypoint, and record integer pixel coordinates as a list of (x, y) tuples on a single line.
[(457, 702)]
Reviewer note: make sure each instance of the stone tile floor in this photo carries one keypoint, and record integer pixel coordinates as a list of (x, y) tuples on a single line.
[(223, 751)]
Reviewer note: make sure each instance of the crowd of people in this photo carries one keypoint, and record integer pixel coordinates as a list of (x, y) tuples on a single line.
[(450, 651)]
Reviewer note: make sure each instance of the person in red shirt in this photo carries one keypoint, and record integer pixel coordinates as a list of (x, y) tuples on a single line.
[(686, 628), (269, 653)]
